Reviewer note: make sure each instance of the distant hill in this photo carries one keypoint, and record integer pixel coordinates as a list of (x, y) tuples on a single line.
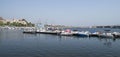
[(15, 22)]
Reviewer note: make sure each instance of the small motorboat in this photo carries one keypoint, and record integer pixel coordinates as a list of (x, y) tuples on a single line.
[(81, 34), (116, 34), (43, 31), (95, 34), (66, 33), (29, 31), (106, 35)]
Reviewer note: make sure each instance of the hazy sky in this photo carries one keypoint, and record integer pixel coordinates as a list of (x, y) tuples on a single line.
[(66, 12)]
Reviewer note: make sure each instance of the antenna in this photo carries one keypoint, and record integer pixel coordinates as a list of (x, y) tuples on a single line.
[(38, 24)]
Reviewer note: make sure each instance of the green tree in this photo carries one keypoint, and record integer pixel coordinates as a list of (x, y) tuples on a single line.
[(8, 23), (30, 24), (1, 23)]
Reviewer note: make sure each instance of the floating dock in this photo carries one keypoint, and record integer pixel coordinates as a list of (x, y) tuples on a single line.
[(103, 35)]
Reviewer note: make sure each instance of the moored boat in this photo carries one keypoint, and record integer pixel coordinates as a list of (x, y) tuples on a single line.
[(95, 34), (43, 31), (106, 35), (66, 33), (116, 34), (81, 34), (29, 31)]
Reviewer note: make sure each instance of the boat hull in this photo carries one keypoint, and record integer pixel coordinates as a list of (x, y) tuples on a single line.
[(81, 35), (93, 35), (106, 36)]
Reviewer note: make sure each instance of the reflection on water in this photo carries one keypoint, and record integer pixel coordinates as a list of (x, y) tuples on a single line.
[(17, 44)]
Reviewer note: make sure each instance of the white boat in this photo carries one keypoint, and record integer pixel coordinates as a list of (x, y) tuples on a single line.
[(106, 35), (116, 34), (95, 34), (66, 33), (29, 31), (44, 31)]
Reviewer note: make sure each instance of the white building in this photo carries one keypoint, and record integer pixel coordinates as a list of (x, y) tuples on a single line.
[(22, 21)]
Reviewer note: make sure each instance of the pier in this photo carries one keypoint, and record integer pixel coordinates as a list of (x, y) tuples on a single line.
[(108, 26), (74, 33)]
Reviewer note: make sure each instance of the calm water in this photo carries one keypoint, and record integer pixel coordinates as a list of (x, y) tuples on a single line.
[(17, 44)]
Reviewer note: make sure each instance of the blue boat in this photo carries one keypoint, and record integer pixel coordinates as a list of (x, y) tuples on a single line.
[(81, 34)]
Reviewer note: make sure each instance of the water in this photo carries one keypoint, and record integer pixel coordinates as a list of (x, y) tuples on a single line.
[(13, 43)]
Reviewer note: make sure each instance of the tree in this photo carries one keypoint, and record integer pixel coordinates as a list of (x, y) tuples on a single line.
[(1, 23), (30, 24), (24, 20), (8, 23)]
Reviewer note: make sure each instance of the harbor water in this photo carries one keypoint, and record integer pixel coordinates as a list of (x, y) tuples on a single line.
[(14, 43)]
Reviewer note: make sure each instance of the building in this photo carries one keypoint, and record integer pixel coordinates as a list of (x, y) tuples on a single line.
[(22, 21)]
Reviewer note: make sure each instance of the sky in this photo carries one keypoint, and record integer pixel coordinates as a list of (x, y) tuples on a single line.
[(63, 12)]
